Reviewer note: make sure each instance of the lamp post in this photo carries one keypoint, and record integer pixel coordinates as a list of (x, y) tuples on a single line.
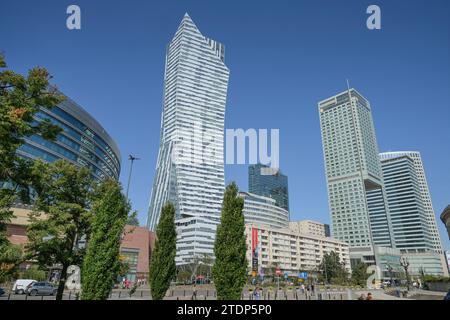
[(132, 159), (405, 264)]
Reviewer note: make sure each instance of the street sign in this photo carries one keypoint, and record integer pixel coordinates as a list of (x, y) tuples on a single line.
[(303, 275)]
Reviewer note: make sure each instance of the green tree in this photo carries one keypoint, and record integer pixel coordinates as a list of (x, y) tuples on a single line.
[(10, 258), (333, 271), (359, 274), (61, 216), (162, 265), (230, 267), (133, 220), (102, 265), (20, 99)]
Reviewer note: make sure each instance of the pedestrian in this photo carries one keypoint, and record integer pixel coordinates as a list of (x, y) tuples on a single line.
[(362, 297), (312, 289), (194, 293), (256, 294), (369, 296), (302, 287)]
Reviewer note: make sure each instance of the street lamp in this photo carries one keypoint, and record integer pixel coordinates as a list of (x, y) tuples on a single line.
[(132, 159)]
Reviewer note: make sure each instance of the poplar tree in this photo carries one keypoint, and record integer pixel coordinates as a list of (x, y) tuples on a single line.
[(102, 265), (230, 267), (162, 265)]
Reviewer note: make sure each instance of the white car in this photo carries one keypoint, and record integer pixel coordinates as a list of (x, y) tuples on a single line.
[(21, 285)]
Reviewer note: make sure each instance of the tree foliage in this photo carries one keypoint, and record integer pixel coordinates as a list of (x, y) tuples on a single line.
[(162, 265), (332, 269), (359, 274), (61, 216), (102, 264), (133, 220), (20, 100), (230, 267)]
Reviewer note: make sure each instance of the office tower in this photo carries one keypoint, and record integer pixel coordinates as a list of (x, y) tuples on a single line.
[(82, 141), (263, 210), (353, 170), (423, 191), (190, 167), (410, 227), (269, 182)]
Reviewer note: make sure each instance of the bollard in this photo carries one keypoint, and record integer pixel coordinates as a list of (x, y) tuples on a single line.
[(341, 297), (120, 293), (143, 292), (70, 294), (9, 296), (42, 297)]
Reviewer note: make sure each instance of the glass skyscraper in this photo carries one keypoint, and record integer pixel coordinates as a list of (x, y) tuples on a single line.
[(353, 171), (82, 141), (190, 166), (268, 182)]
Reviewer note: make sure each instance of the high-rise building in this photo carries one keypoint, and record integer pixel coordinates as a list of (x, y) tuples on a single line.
[(410, 225), (424, 193), (82, 141), (269, 182), (259, 209), (190, 166), (353, 171)]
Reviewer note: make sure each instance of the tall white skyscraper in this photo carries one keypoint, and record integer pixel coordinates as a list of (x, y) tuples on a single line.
[(353, 172), (423, 193), (190, 166)]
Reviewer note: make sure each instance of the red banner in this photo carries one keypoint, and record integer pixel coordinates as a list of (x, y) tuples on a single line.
[(254, 239)]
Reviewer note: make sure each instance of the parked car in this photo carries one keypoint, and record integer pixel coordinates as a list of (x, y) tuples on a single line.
[(41, 288), (447, 296), (21, 285), (2, 291)]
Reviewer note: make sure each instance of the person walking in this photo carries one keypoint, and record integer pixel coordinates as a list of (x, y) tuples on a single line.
[(194, 292), (369, 296)]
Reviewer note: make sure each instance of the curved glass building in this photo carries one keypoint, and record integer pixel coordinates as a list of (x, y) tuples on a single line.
[(82, 141), (264, 210)]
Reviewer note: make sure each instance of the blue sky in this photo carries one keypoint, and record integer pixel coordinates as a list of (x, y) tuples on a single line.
[(284, 56)]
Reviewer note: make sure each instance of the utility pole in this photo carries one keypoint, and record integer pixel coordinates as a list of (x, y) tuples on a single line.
[(132, 159)]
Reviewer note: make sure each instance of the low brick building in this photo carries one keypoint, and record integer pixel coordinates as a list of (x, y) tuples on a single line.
[(136, 247)]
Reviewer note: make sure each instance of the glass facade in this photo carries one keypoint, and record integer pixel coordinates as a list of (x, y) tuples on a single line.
[(267, 182), (263, 210), (82, 141)]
